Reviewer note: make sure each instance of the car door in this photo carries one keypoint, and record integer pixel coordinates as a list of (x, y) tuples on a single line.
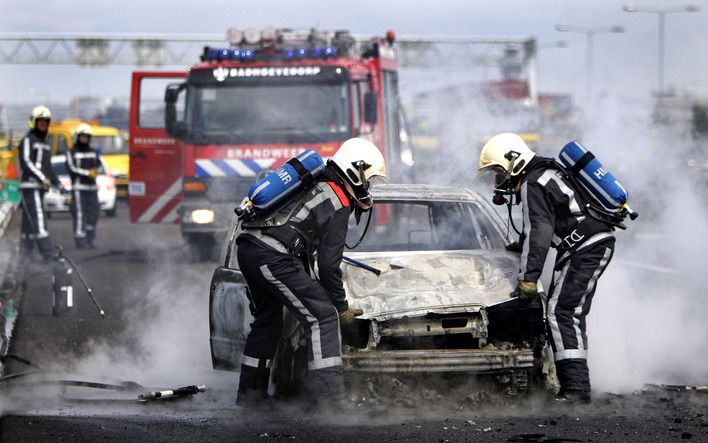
[(155, 188)]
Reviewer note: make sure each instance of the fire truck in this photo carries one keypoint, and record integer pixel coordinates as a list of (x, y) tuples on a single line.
[(245, 110)]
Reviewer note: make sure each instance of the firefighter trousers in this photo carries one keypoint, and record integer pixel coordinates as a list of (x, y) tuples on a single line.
[(569, 301), (277, 280), (85, 210), (34, 225)]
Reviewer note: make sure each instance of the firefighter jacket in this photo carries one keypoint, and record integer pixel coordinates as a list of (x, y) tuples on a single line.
[(312, 225), (553, 215), (36, 161), (80, 161)]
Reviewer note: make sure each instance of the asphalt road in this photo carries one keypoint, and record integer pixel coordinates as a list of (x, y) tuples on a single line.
[(155, 334)]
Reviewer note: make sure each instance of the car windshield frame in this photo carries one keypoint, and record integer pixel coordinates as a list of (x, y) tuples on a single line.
[(478, 235)]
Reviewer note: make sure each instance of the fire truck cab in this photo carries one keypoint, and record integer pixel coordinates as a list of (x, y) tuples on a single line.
[(245, 110)]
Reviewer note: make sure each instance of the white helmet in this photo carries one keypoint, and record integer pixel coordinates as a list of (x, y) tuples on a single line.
[(506, 151), (82, 129), (357, 161), (39, 112)]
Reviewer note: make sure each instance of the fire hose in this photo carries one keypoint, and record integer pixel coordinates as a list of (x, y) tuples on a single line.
[(59, 253)]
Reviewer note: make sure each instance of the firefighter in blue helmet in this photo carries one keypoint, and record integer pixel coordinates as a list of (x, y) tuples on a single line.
[(37, 176), (276, 255), (553, 216), (83, 162)]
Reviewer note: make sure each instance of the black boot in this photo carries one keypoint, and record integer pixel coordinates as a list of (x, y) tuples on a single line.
[(574, 378), (253, 387), (326, 393), (572, 397)]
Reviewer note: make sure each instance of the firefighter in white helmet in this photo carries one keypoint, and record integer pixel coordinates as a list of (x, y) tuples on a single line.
[(553, 216), (276, 256), (36, 178), (83, 162)]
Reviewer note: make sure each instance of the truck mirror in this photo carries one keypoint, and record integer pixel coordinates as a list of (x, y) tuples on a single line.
[(173, 127), (370, 107)]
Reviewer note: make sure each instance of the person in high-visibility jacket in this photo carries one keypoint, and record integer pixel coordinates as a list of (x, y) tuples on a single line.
[(553, 217), (83, 162), (276, 254), (36, 178)]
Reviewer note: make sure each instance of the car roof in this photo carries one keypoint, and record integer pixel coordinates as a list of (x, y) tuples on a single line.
[(391, 191)]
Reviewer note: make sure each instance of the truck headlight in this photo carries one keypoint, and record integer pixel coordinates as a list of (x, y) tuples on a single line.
[(202, 216)]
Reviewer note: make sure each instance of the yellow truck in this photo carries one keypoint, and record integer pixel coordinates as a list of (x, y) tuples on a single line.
[(109, 140)]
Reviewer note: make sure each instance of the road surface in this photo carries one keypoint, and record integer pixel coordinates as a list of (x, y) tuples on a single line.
[(156, 332)]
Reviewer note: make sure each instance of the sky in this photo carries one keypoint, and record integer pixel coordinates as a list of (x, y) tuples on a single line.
[(625, 63)]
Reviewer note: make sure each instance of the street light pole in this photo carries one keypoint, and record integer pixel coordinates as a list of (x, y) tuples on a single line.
[(588, 83), (661, 14), (662, 44), (590, 37)]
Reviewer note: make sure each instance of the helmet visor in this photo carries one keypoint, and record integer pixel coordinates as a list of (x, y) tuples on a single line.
[(496, 174)]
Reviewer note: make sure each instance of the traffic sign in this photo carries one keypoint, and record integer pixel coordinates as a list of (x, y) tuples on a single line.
[(9, 191)]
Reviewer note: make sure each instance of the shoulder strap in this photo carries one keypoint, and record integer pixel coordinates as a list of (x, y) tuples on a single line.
[(582, 162), (306, 176), (343, 199)]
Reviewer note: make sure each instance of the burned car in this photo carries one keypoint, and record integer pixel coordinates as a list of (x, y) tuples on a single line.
[(433, 278)]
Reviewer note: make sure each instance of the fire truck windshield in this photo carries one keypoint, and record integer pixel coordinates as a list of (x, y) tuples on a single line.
[(270, 111)]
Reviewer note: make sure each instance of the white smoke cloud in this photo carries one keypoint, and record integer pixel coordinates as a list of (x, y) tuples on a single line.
[(647, 324), (164, 338), (166, 342)]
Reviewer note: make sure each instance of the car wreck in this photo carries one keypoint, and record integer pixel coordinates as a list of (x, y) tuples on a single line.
[(435, 293)]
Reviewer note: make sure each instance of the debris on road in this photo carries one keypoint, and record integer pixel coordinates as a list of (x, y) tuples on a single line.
[(172, 393)]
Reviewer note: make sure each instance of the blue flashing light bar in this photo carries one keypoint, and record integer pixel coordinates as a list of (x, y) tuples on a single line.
[(221, 54)]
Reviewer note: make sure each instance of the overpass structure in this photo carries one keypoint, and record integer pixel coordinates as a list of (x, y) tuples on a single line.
[(104, 49), (440, 59)]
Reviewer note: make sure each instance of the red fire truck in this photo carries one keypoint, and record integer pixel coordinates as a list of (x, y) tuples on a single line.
[(245, 110)]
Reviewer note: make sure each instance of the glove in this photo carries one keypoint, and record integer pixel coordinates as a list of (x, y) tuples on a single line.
[(92, 173), (347, 317), (525, 290), (62, 189), (46, 183)]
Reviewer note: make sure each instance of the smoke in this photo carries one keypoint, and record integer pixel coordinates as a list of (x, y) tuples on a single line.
[(161, 337), (166, 338), (647, 323)]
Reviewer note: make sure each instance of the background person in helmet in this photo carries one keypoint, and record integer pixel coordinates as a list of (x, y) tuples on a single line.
[(82, 162), (37, 177), (277, 262), (553, 212)]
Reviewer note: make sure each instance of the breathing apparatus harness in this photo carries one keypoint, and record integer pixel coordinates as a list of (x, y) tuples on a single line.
[(597, 217), (590, 208)]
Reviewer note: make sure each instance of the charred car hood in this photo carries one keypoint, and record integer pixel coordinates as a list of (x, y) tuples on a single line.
[(417, 283)]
